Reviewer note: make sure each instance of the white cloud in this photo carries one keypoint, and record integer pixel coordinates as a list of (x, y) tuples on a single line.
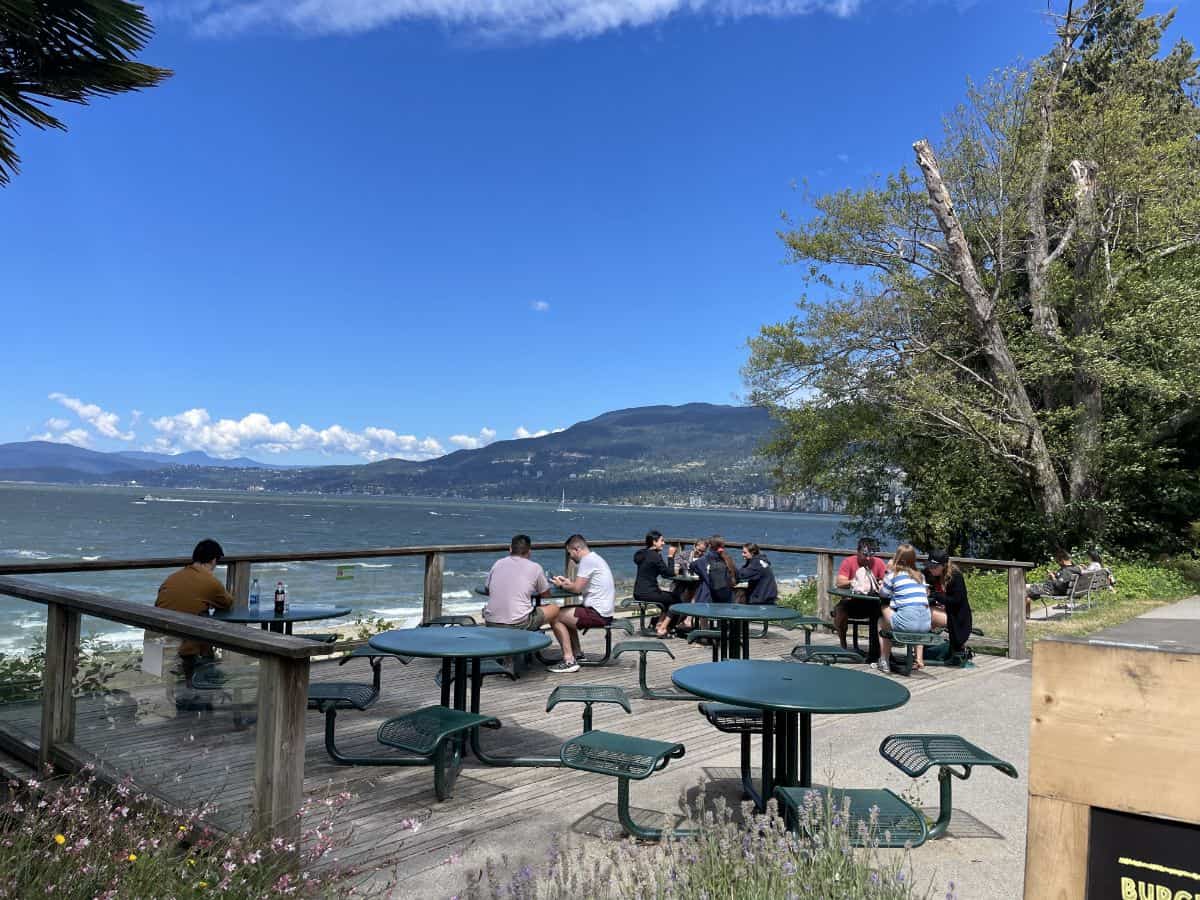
[(467, 442), (527, 19), (843, 157), (540, 306), (56, 424), (521, 432), (195, 429), (76, 436), (103, 423)]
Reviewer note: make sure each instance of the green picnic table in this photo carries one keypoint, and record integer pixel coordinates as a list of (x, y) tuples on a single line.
[(734, 620), (788, 695), (872, 653)]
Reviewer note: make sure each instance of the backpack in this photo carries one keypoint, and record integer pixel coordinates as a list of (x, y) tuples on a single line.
[(718, 575)]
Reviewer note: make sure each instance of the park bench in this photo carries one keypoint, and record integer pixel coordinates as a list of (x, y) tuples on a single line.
[(328, 697), (699, 635), (619, 624), (435, 734), (826, 653), (228, 683), (1079, 594), (624, 758), (643, 649), (739, 720), (587, 694), (449, 622), (321, 637), (910, 640), (915, 754)]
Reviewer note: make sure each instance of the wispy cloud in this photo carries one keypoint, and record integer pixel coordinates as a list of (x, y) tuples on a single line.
[(195, 429), (540, 306), (521, 432), (528, 19), (467, 442), (77, 437), (104, 423)]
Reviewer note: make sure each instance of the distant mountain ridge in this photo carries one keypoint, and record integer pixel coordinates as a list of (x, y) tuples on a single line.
[(650, 454)]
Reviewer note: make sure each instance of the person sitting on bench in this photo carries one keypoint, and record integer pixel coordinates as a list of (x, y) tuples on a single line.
[(651, 567), (1057, 584), (512, 584), (759, 575), (860, 573), (594, 581), (909, 609), (948, 603)]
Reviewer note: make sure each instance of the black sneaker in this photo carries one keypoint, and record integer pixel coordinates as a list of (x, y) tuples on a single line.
[(564, 667)]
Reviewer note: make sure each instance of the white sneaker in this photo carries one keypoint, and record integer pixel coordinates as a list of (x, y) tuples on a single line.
[(564, 667), (883, 666)]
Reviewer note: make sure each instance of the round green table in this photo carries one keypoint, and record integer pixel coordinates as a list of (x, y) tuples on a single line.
[(789, 695), (734, 620)]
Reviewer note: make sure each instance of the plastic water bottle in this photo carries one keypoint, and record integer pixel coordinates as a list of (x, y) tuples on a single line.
[(284, 597), (254, 596)]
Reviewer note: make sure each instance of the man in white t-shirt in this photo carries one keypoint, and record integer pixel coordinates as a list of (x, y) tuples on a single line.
[(594, 581)]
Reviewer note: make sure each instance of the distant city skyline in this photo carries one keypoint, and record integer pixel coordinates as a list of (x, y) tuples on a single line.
[(343, 232)]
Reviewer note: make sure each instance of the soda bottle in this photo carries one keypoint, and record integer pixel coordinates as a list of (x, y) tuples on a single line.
[(279, 598), (285, 599), (254, 595)]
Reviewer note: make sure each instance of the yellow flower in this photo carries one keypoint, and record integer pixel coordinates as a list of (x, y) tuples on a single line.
[(191, 862), (132, 857), (59, 839), (202, 884)]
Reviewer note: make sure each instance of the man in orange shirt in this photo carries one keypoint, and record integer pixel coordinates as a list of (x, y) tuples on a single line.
[(194, 589)]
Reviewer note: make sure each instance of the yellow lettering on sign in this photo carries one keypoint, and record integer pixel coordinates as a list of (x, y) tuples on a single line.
[(1162, 892), (1128, 890), (1184, 895)]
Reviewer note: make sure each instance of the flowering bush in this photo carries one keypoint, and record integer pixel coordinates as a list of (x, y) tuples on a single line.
[(76, 838), (756, 856)]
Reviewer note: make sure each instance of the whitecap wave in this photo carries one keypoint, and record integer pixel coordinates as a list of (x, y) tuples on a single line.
[(27, 554), (151, 499), (456, 595), (374, 565), (89, 558)]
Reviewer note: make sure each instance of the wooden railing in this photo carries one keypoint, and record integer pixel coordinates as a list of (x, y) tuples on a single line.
[(284, 660), (283, 664)]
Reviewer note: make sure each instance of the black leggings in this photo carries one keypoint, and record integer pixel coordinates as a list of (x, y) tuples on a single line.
[(665, 599)]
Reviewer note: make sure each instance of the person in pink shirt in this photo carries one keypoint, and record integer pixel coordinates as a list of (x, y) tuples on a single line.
[(863, 574)]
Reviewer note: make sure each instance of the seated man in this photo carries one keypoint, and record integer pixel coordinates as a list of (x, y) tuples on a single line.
[(512, 584), (863, 574), (1057, 584), (194, 589), (594, 581)]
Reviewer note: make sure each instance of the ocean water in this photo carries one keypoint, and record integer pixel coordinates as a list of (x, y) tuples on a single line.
[(40, 522)]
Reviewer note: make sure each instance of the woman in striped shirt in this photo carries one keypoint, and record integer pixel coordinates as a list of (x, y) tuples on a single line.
[(905, 586)]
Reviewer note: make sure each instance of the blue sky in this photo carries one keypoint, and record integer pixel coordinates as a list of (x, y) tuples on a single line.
[(397, 227)]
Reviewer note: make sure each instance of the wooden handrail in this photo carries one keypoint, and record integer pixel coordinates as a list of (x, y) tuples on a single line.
[(110, 565), (250, 641)]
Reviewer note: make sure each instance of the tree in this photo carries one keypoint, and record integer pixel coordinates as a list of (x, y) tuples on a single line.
[(70, 50), (1019, 323)]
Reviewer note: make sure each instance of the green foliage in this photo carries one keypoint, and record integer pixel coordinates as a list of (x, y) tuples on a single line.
[(884, 387), (100, 664), (1136, 580), (803, 599), (69, 51), (748, 856), (366, 627)]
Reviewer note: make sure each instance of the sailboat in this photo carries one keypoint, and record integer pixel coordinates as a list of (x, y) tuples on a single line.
[(562, 505)]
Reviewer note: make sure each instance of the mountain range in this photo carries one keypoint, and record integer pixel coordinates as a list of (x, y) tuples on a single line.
[(650, 454)]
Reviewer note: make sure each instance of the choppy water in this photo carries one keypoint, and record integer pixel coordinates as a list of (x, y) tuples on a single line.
[(39, 522)]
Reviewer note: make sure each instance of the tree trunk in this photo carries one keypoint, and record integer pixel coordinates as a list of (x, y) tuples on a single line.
[(1085, 320), (982, 314)]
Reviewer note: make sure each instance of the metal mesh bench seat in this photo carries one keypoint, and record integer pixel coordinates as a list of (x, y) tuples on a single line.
[(321, 637), (915, 754), (697, 635), (624, 758), (739, 720), (375, 657), (434, 733), (449, 621), (876, 816), (910, 640), (643, 649), (226, 683), (486, 667), (587, 694), (341, 695), (826, 653), (618, 624), (642, 606)]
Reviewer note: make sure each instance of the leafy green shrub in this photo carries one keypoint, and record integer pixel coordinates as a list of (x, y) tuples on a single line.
[(75, 838), (363, 628), (100, 664), (803, 599), (754, 857), (1136, 580)]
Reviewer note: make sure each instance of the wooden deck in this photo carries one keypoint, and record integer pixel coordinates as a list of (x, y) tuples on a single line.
[(204, 758)]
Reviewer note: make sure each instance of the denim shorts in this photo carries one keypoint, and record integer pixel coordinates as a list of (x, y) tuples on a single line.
[(914, 617)]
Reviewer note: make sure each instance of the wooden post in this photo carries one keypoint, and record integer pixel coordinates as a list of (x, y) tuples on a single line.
[(58, 677), (435, 563), (237, 582), (824, 583), (279, 751), (1016, 613)]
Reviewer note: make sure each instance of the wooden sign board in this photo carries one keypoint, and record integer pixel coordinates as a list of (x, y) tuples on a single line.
[(1114, 773)]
